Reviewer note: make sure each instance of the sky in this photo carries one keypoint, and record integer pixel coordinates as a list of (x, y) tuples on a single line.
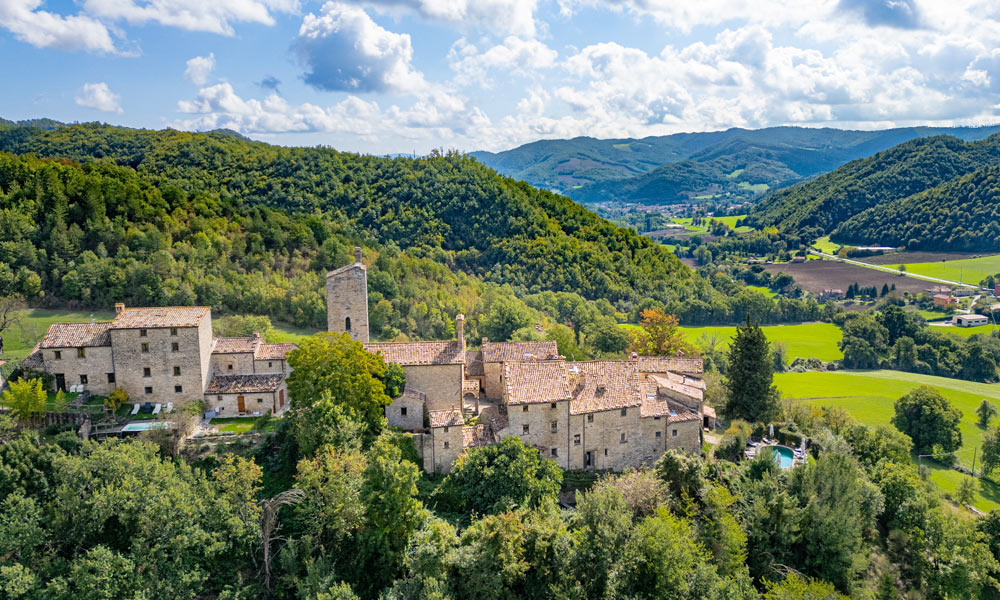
[(401, 76)]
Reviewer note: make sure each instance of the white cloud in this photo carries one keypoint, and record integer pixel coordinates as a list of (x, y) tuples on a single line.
[(99, 97), (343, 49), (199, 68), (213, 16), (515, 56), (44, 29), (515, 17)]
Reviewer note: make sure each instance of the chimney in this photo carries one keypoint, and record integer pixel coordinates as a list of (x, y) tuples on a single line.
[(119, 307), (460, 329), (357, 255)]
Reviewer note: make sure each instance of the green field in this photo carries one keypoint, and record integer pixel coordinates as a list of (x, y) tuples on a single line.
[(969, 270), (965, 332), (824, 244), (805, 340), (869, 397)]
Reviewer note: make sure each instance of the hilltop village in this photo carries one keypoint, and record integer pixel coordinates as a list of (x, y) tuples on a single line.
[(606, 415)]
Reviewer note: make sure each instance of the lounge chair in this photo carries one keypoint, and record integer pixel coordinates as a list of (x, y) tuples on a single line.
[(135, 409), (170, 407), (156, 409)]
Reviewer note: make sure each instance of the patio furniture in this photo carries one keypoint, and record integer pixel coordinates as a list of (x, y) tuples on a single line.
[(170, 407), (156, 409), (135, 409), (147, 407)]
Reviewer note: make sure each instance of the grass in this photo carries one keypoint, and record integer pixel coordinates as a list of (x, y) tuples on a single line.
[(968, 270), (756, 187), (239, 425), (869, 397), (965, 332), (763, 290), (824, 244), (285, 333), (805, 340)]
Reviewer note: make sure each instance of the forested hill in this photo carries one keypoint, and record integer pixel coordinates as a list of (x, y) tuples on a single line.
[(675, 168), (907, 169), (962, 214)]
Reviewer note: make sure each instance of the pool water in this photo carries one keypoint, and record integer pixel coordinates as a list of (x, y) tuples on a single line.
[(785, 457), (141, 426)]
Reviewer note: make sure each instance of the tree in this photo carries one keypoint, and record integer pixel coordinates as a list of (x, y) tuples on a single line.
[(660, 335), (602, 523), (991, 451), (335, 379), (505, 316), (116, 399), (25, 399), (929, 419), (608, 337), (795, 587), (751, 393), (492, 479), (11, 315), (986, 411), (968, 487)]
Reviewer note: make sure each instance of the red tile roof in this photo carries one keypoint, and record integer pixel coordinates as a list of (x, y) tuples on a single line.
[(518, 351), (678, 387), (603, 385), (75, 335), (535, 382), (236, 345), (244, 384), (451, 417), (419, 353), (160, 316), (670, 364), (477, 436), (273, 351)]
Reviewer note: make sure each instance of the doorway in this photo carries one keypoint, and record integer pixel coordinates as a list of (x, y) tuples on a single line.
[(241, 404), (60, 382)]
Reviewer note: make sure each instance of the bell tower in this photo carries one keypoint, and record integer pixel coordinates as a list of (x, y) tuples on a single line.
[(347, 299)]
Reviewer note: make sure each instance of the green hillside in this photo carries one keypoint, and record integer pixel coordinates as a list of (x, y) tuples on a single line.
[(961, 214), (907, 169)]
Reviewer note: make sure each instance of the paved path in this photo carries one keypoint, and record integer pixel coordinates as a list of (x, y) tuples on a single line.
[(893, 271)]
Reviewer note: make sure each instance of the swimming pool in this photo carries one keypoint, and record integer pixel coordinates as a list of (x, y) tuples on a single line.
[(143, 426), (784, 456)]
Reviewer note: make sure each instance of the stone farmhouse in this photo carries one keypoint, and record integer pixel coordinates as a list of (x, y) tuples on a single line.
[(608, 414), (166, 355)]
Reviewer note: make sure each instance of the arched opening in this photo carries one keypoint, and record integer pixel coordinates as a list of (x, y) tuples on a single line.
[(347, 324)]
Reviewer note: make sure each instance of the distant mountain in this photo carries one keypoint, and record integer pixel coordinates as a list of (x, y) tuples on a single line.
[(907, 169), (679, 167)]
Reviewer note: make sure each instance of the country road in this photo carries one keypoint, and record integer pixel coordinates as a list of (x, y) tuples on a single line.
[(894, 271)]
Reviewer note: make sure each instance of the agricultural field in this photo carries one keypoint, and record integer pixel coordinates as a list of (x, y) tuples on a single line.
[(824, 244), (968, 270), (818, 275), (805, 340), (869, 397), (897, 258), (964, 332)]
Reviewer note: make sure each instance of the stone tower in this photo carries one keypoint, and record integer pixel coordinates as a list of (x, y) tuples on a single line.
[(347, 299)]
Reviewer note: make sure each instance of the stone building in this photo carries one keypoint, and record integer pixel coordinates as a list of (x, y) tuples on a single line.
[(347, 299)]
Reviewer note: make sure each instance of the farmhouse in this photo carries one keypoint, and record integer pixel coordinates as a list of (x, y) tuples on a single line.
[(943, 300), (969, 320)]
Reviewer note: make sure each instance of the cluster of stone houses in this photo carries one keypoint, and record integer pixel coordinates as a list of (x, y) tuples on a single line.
[(608, 414)]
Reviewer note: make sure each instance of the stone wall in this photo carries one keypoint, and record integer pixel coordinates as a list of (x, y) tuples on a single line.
[(271, 366), (347, 298), (539, 420), (601, 434), (685, 436), (234, 363), (186, 367), (406, 412), (442, 384), (444, 448), (95, 365), (227, 405), (492, 383)]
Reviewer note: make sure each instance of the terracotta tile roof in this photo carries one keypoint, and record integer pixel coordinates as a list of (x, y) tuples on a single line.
[(518, 351), (35, 360), (535, 382), (603, 385), (273, 351), (672, 385), (160, 316), (708, 411), (663, 407), (670, 364), (477, 436), (681, 414), (419, 353), (474, 364), (236, 345), (451, 417), (345, 268), (75, 335), (244, 384)]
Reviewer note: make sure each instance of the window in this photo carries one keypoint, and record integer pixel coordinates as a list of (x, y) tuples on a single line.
[(659, 434), (174, 347), (268, 364), (58, 354), (576, 439), (402, 411), (446, 444), (623, 439), (553, 405), (524, 429), (554, 452), (229, 367), (524, 408), (145, 372), (177, 371), (446, 430), (218, 399), (673, 433), (656, 418), (145, 347), (178, 389), (173, 331), (624, 412), (555, 426), (149, 389), (347, 324), (260, 401), (142, 333), (605, 452), (590, 418), (111, 377), (81, 353), (83, 379)]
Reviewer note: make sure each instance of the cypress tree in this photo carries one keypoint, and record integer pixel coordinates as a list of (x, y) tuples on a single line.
[(752, 395)]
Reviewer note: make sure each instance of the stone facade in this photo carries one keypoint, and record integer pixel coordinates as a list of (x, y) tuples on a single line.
[(163, 364), (347, 299), (255, 395), (407, 411), (94, 369)]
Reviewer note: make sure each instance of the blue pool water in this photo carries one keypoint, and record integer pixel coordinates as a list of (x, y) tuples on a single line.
[(143, 426), (785, 457)]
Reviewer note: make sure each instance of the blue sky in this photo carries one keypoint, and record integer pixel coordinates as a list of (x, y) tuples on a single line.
[(387, 76)]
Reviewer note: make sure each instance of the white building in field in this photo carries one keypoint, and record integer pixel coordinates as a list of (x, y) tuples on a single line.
[(969, 320)]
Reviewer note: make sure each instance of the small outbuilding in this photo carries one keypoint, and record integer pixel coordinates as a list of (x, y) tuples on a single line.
[(969, 320)]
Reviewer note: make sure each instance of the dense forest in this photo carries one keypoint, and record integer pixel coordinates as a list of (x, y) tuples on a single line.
[(822, 204), (962, 214)]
